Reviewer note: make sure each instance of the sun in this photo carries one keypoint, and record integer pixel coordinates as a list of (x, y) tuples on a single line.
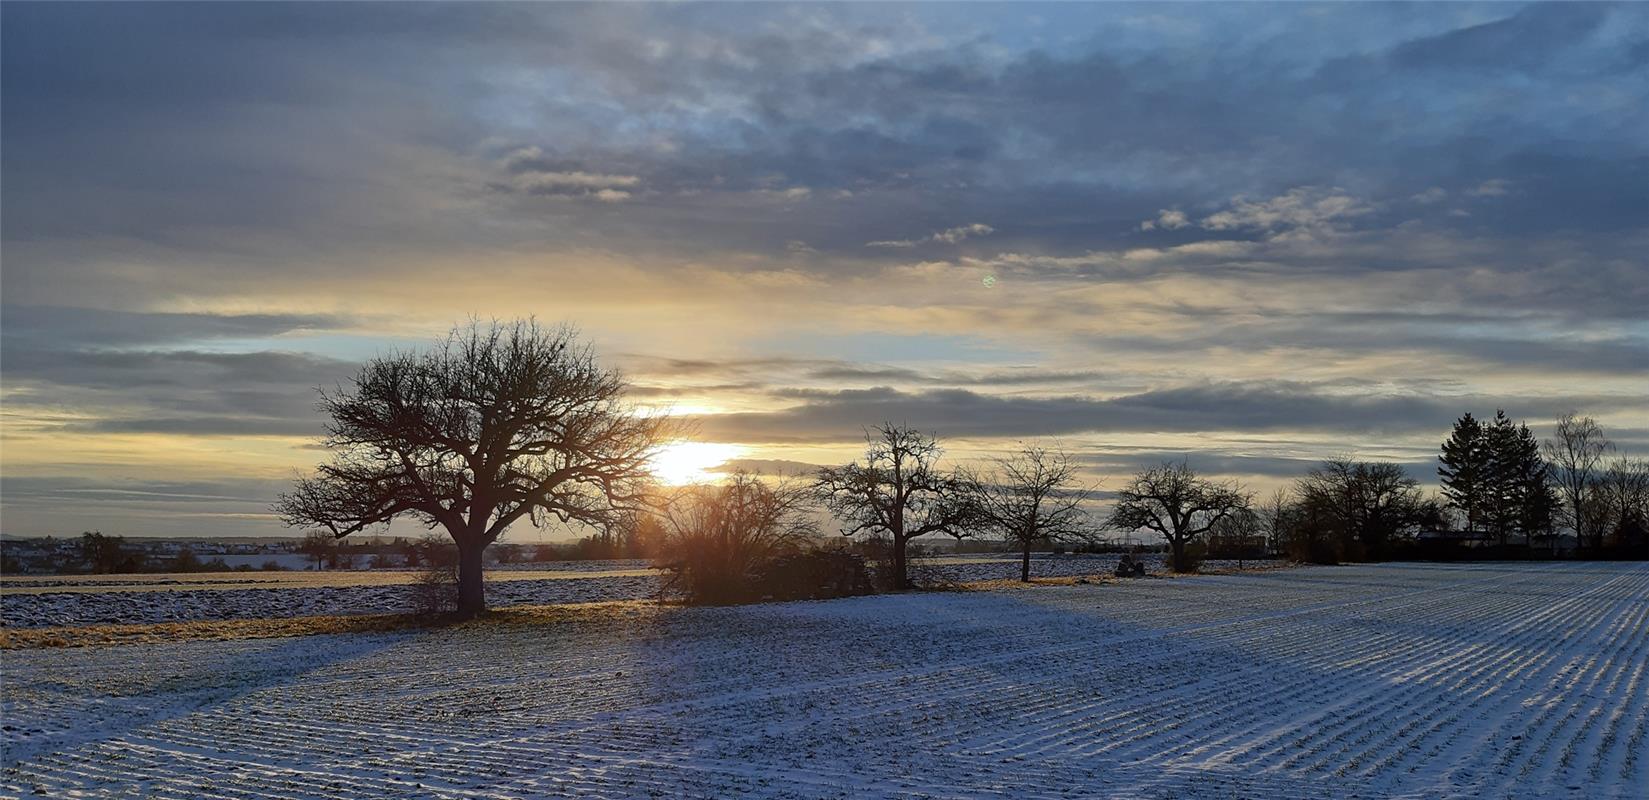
[(691, 462)]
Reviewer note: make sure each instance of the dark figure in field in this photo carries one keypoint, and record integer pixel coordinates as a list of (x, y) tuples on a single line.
[(1126, 566), (1139, 568)]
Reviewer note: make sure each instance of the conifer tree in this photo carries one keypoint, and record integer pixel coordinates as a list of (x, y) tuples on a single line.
[(1464, 469), (1537, 500), (1502, 487)]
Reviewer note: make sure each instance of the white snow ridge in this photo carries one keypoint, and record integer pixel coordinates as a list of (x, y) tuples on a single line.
[(1392, 681)]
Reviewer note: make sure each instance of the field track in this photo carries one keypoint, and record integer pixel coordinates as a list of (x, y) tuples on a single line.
[(1413, 681)]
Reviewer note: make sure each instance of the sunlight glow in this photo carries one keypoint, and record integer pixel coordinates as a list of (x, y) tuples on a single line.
[(691, 462)]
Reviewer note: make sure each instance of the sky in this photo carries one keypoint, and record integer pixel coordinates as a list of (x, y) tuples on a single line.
[(1247, 235)]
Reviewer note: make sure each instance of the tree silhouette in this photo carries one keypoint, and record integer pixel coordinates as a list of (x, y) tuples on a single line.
[(318, 545), (1623, 494), (1030, 498), (1521, 498), (719, 536), (1177, 504), (497, 423), (898, 491), (1464, 473), (1575, 452), (106, 554), (1494, 475), (1369, 502)]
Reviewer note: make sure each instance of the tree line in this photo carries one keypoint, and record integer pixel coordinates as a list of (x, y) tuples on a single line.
[(1507, 485), (507, 422)]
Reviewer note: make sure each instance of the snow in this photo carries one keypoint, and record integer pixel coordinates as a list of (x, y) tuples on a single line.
[(257, 560), (1389, 681), (43, 601)]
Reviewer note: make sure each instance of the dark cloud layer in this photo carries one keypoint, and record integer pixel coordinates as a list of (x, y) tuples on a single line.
[(835, 416), (923, 125)]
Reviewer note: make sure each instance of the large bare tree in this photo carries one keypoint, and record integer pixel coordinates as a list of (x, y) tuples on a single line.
[(1623, 494), (899, 492), (1369, 503), (1177, 504), (498, 423), (1033, 497), (1575, 453)]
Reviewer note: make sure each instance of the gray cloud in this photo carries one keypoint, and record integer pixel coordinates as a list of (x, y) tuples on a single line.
[(177, 391), (67, 327), (65, 490), (841, 416), (946, 236), (778, 467), (852, 108)]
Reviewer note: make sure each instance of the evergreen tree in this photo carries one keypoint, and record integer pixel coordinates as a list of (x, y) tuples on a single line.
[(1538, 502), (1502, 482), (1516, 495), (1464, 470)]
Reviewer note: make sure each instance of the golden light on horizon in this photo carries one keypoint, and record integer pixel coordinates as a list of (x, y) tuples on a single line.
[(691, 462)]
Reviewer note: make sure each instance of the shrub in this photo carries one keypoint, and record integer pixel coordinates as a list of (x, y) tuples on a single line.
[(436, 590), (812, 575), (721, 538)]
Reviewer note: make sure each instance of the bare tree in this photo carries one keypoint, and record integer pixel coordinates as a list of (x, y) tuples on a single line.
[(1623, 491), (1031, 498), (1575, 453), (1369, 502), (898, 492), (1273, 517), (319, 546), (1177, 504), (718, 536), (497, 423), (1236, 534)]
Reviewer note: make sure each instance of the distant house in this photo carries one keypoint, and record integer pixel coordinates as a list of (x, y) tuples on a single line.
[(1462, 538)]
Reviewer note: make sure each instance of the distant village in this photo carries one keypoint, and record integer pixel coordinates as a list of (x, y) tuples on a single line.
[(87, 552)]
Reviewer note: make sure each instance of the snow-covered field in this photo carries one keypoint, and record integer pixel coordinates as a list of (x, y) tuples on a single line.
[(1414, 681), (40, 601)]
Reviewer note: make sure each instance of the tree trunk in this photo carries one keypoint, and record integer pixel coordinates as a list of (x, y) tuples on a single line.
[(472, 593), (1178, 546), (1025, 563), (900, 581)]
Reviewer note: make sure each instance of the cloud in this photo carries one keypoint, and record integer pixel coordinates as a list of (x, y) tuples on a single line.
[(1303, 207), (556, 182), (946, 236), (68, 327), (777, 467), (137, 506), (954, 235), (1432, 195), (529, 171), (840, 416), (1168, 219), (183, 392), (1491, 188)]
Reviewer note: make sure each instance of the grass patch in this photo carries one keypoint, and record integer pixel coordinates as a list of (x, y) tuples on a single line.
[(220, 630)]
